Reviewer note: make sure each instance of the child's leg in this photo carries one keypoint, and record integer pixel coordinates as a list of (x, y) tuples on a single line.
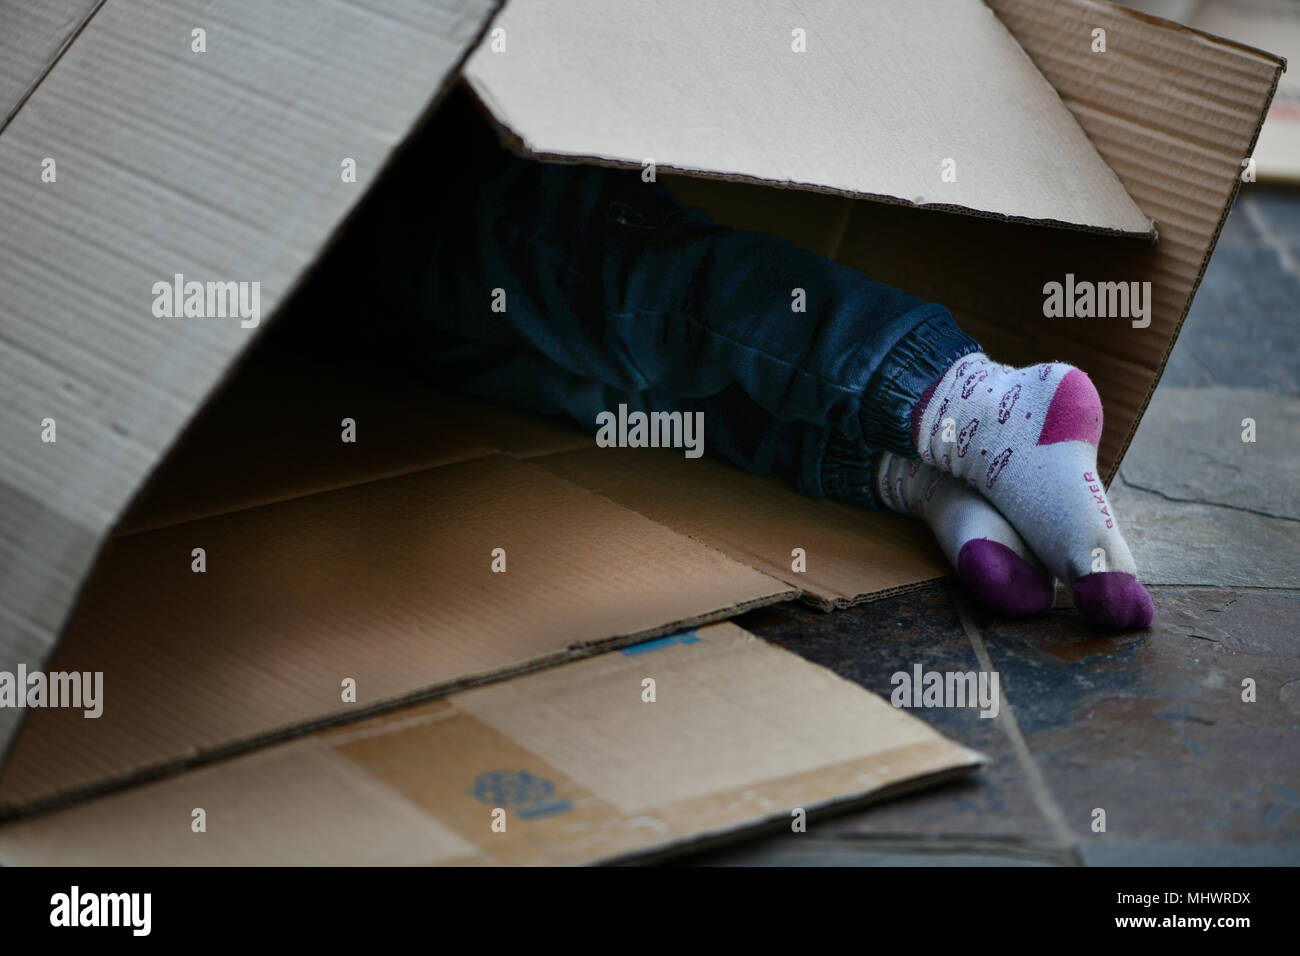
[(610, 278), (734, 427)]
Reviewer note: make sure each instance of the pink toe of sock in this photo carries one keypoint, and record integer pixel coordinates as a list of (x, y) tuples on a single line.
[(1074, 413), (1113, 598), (1002, 579)]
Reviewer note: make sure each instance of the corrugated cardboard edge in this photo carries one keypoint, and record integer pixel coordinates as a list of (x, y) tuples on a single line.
[(838, 604), (780, 821), (1174, 24)]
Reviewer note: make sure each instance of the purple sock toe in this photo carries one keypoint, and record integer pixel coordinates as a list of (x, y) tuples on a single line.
[(1002, 579), (1114, 598)]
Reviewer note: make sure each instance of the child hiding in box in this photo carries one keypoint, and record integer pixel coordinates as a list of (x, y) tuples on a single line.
[(591, 292)]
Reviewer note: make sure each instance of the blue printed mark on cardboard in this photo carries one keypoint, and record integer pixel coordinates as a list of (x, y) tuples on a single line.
[(682, 637), (526, 795)]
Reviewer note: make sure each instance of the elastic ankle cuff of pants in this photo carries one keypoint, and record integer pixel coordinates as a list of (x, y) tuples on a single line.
[(847, 472), (915, 363)]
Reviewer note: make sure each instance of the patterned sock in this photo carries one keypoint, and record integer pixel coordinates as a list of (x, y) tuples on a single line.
[(989, 556), (1026, 439)]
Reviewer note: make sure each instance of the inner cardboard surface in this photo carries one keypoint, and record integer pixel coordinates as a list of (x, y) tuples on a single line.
[(387, 582), (584, 769), (373, 561)]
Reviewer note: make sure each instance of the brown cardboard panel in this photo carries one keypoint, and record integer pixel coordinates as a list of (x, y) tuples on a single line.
[(298, 795), (517, 433), (388, 583), (220, 166), (1174, 113), (740, 733), (815, 221), (245, 453), (853, 554), (1273, 25), (881, 96)]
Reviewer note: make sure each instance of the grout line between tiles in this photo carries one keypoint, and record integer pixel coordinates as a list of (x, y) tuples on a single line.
[(1006, 719)]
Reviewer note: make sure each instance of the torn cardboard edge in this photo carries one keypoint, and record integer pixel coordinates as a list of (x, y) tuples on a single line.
[(716, 756), (720, 837)]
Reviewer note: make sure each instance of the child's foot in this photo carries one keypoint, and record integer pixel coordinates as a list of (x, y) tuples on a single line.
[(986, 551), (1026, 439)]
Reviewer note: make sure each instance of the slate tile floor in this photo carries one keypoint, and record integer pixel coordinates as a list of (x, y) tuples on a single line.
[(1149, 726)]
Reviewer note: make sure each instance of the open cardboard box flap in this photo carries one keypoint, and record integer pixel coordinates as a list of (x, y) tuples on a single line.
[(356, 567), (859, 99)]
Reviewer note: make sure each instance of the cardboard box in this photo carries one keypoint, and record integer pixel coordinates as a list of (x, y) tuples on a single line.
[(322, 564)]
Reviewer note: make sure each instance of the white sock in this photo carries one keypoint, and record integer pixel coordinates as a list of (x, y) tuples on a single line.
[(1026, 439)]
